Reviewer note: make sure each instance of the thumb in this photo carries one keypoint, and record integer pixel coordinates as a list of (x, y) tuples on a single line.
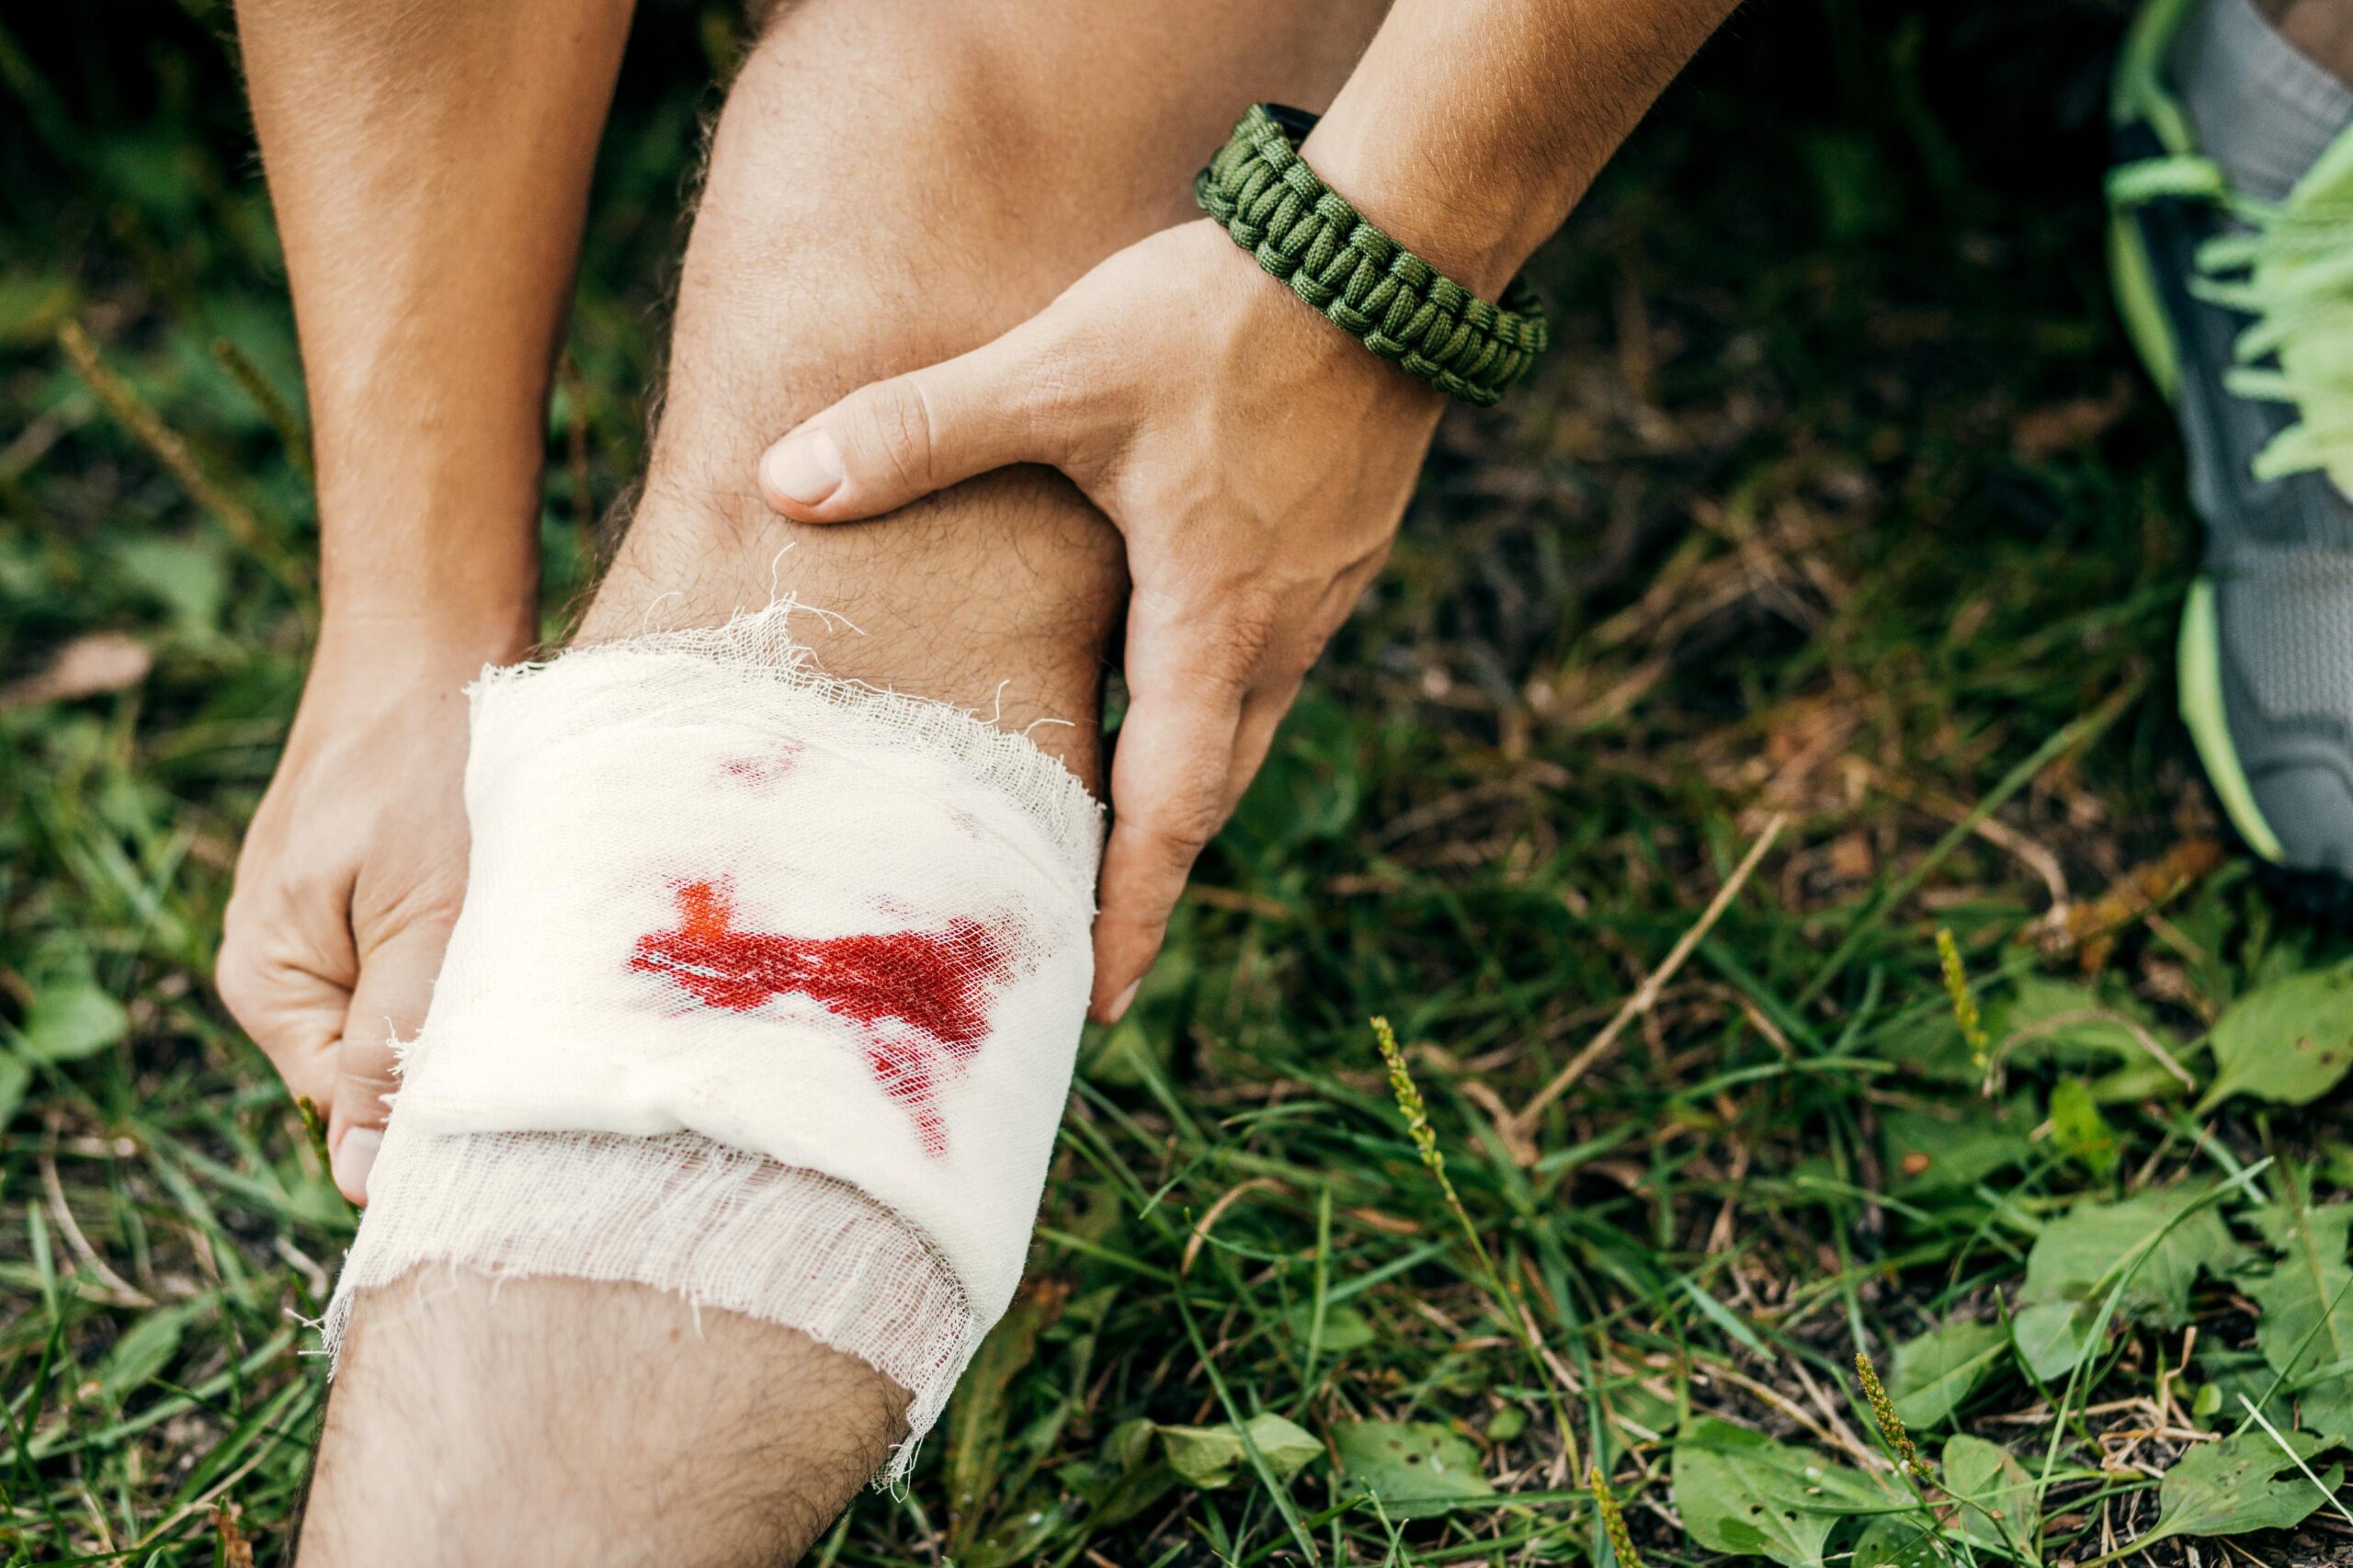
[(898, 440), (388, 1003)]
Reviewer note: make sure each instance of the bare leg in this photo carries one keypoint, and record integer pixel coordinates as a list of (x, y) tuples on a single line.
[(894, 181), (559, 1421), (2321, 29)]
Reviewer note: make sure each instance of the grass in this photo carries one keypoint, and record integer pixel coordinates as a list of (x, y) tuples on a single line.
[(1840, 518)]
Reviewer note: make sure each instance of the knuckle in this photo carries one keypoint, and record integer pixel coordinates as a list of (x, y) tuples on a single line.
[(426, 907), (1180, 828), (899, 427), (1242, 638), (237, 978), (277, 973), (259, 995), (242, 969), (364, 1100), (1142, 926), (365, 1069), (1220, 656)]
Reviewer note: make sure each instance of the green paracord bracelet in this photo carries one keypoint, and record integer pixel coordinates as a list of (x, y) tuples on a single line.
[(1374, 289)]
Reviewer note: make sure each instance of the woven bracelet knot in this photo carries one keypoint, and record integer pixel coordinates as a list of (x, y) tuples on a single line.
[(1404, 310)]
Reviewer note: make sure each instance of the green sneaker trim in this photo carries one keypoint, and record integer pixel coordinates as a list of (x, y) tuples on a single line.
[(2200, 657), (2133, 279), (2137, 92)]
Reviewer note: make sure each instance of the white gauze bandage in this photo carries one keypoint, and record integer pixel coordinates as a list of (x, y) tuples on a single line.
[(766, 991)]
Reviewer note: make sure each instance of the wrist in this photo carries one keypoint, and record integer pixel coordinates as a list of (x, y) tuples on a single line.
[(425, 632), (1477, 225), (444, 553), (435, 587), (1470, 338), (1266, 316)]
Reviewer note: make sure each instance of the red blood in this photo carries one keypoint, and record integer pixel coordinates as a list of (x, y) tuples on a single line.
[(764, 769), (935, 984)]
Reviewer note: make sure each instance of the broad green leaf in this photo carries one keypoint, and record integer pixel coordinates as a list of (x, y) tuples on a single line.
[(71, 1019), (1286, 1448), (1998, 1506), (1935, 1372), (1205, 1456), (1344, 1328), (1210, 1457), (2146, 1079), (2246, 1483), (2052, 1337), (2081, 1027), (1936, 1153), (1145, 1460), (1130, 1444), (2325, 1231), (2080, 1131), (2290, 1040), (2059, 1021), (2305, 1329), (1899, 1541), (1740, 1490), (1416, 1468), (2154, 1244)]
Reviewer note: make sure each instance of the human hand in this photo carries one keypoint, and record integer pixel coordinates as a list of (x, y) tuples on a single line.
[(354, 869), (1257, 463)]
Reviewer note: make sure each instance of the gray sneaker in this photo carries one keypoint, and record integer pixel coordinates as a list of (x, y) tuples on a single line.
[(2243, 309)]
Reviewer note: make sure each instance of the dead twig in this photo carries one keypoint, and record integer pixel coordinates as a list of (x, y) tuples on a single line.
[(1519, 1131), (1201, 1227), (130, 1295)]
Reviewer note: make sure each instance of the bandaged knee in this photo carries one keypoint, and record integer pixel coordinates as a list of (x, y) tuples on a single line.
[(766, 992)]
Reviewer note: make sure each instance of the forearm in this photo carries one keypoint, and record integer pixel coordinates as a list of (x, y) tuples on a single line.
[(1472, 127), (428, 162)]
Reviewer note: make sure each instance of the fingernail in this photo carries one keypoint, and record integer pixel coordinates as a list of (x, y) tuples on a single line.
[(354, 1158), (805, 468), (1121, 1002)]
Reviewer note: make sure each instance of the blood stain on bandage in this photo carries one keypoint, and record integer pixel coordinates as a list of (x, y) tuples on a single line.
[(765, 768), (935, 985)]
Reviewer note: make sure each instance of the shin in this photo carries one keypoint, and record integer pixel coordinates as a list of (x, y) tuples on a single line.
[(891, 182)]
